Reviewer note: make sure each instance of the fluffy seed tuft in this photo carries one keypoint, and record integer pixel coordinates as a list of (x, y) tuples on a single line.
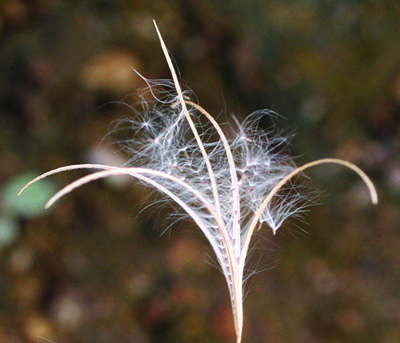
[(228, 186)]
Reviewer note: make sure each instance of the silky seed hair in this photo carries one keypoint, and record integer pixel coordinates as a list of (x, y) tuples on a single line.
[(228, 186)]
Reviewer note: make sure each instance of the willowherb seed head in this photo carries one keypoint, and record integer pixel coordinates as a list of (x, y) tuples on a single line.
[(228, 183)]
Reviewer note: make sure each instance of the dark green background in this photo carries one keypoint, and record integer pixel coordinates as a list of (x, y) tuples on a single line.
[(93, 270)]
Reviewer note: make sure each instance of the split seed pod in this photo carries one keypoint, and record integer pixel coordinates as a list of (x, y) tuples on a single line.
[(228, 187)]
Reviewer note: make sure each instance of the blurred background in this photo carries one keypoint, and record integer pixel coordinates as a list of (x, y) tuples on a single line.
[(95, 268)]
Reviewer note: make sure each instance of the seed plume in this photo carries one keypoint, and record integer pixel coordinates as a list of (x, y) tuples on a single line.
[(228, 186)]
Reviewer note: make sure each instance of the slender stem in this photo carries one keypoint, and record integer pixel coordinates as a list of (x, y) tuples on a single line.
[(111, 170), (138, 173), (190, 121), (232, 170), (280, 184), (132, 171), (237, 276), (62, 169)]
